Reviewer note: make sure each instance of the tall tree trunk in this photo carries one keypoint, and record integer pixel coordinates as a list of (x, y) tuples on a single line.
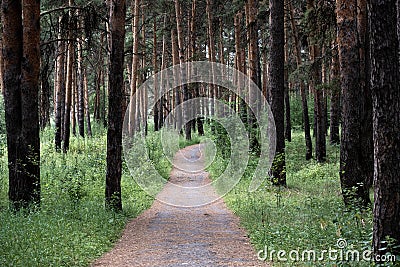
[(211, 52), (319, 110), (277, 84), (116, 82), (87, 106), (366, 131), (177, 94), (68, 96), (73, 101), (81, 90), (163, 66), (21, 51), (183, 71), (251, 10), (44, 95), (353, 172), (335, 101), (59, 89), (303, 93), (157, 106), (241, 65), (288, 123), (135, 63), (386, 124)]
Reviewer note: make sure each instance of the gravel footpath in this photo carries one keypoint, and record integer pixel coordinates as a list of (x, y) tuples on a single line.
[(171, 236)]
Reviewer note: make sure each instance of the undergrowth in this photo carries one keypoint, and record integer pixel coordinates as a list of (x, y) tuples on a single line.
[(72, 227), (307, 215)]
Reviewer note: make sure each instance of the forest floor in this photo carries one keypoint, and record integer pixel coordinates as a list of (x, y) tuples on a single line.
[(183, 234)]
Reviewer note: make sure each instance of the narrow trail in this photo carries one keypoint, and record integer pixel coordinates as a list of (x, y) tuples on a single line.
[(173, 236)]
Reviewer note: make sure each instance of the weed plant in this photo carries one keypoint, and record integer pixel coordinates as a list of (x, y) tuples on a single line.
[(72, 227)]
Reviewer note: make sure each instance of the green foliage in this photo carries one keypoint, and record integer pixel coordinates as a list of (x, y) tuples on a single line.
[(309, 214), (184, 143), (296, 111), (320, 22), (72, 227)]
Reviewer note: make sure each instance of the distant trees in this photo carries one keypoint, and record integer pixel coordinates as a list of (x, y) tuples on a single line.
[(21, 59)]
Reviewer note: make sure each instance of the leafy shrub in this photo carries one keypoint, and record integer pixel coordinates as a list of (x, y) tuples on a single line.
[(72, 227)]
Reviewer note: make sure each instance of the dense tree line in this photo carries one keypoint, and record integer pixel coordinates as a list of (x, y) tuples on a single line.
[(65, 65)]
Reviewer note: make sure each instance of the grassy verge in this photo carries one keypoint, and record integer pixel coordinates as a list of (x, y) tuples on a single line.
[(308, 215), (72, 228)]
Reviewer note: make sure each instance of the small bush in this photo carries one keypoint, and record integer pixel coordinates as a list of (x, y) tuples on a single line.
[(72, 227)]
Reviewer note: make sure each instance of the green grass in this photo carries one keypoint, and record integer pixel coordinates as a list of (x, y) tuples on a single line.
[(308, 214), (72, 228)]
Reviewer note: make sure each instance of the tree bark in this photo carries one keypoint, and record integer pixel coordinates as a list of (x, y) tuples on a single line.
[(44, 97), (319, 114), (157, 106), (277, 84), (303, 93), (335, 101), (116, 82), (87, 106), (288, 123), (21, 52), (240, 59), (177, 93), (353, 171), (135, 63), (59, 89), (68, 96), (386, 125), (81, 90), (181, 48)]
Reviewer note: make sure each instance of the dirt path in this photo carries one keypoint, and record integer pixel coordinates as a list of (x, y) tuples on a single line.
[(174, 236)]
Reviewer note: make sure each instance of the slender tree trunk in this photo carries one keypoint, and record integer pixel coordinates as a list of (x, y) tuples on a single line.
[(21, 51), (135, 62), (163, 66), (68, 97), (353, 172), (81, 90), (288, 123), (211, 51), (181, 48), (177, 94), (277, 83), (241, 65), (116, 82), (60, 90), (251, 10), (366, 132), (319, 114), (303, 93), (44, 95), (335, 101), (157, 106), (386, 124), (87, 106), (73, 101)]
